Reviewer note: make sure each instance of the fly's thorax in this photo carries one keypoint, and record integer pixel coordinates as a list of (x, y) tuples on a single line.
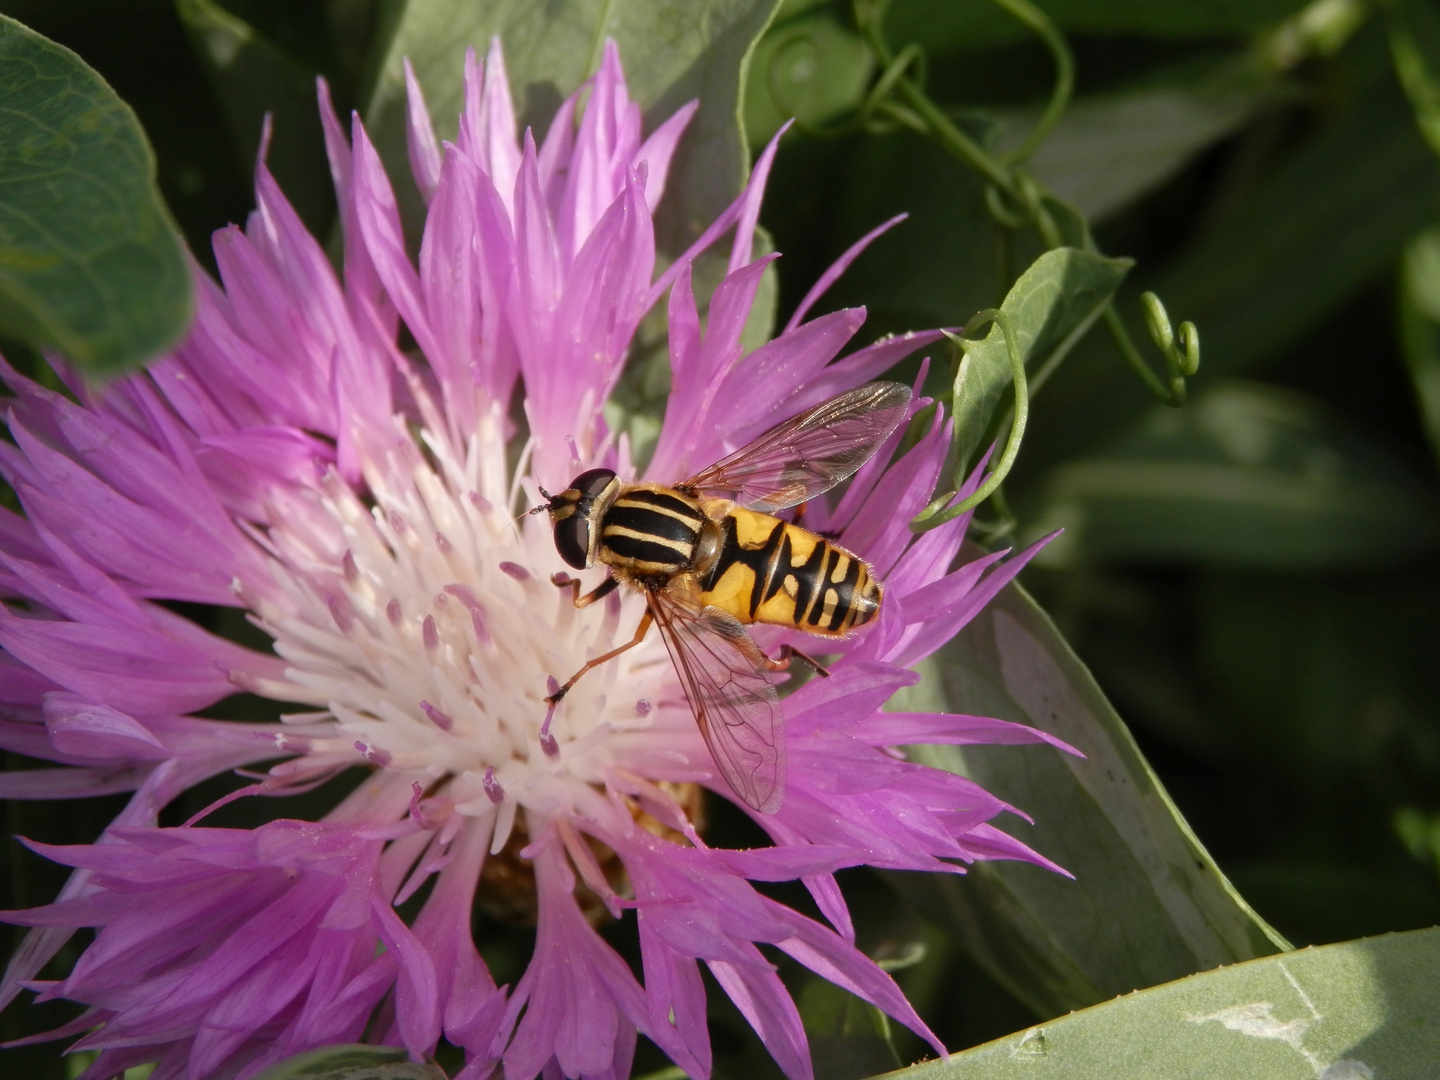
[(770, 571), (651, 531)]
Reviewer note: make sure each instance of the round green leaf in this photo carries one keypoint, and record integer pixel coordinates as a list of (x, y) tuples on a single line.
[(1362, 1010), (1110, 149), (90, 262)]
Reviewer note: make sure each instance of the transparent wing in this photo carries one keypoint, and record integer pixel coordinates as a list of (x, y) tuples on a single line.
[(734, 703), (807, 454)]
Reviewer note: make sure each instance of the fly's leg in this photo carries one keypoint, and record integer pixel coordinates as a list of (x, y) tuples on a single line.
[(640, 633), (789, 653), (798, 518), (604, 589)]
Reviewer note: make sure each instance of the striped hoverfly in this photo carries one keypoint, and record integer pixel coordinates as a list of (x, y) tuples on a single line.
[(710, 557)]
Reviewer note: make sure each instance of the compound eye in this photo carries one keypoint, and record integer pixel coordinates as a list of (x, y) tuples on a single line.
[(592, 483), (572, 540)]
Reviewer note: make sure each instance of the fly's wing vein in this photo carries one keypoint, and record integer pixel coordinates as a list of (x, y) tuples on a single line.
[(728, 685), (807, 454)]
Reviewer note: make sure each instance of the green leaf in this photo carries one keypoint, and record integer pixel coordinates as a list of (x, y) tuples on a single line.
[(1290, 252), (849, 1038), (253, 77), (1110, 149), (937, 269), (1420, 326), (673, 51), (1322, 675), (1274, 261), (1419, 831), (1147, 905), (90, 261), (1415, 48), (1050, 308), (973, 27), (1247, 476), (1355, 1011), (354, 1062)]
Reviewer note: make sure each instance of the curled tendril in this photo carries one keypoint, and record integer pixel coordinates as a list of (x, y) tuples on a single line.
[(1004, 210), (1054, 41), (1182, 356), (937, 512), (1016, 201)]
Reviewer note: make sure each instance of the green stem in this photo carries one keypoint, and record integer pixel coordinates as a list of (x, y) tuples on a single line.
[(1171, 395), (1011, 187), (943, 131), (1004, 523), (1064, 86), (939, 126)]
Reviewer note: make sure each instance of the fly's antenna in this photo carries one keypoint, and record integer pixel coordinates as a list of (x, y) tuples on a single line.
[(541, 509)]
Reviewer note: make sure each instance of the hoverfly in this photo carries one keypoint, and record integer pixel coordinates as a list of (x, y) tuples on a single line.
[(710, 556)]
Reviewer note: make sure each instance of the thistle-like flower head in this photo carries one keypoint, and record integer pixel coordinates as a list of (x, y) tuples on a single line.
[(356, 498)]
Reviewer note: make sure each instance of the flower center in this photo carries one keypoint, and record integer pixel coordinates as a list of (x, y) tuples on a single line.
[(423, 623)]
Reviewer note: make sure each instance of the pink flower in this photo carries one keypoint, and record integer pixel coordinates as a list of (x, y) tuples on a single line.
[(293, 461)]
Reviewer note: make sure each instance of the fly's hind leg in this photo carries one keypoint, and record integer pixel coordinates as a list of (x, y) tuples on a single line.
[(565, 581), (640, 633), (798, 518), (789, 653)]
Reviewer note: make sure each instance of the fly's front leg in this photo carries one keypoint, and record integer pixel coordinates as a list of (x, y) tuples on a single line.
[(789, 653), (640, 633), (604, 589)]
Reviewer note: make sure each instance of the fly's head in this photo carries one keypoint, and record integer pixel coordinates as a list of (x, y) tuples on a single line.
[(575, 514)]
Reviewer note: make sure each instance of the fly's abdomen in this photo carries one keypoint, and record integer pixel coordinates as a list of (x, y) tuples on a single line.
[(770, 571), (650, 531)]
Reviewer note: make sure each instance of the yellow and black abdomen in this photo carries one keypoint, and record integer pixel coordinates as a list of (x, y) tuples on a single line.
[(770, 571), (650, 531)]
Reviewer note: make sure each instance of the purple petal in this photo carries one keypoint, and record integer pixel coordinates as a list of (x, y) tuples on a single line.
[(903, 729), (85, 728), (658, 150), (675, 997), (761, 998), (575, 991), (937, 631), (842, 964), (420, 142), (838, 267), (417, 1002)]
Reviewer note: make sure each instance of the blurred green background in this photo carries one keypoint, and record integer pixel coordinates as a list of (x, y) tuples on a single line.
[(1254, 578)]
